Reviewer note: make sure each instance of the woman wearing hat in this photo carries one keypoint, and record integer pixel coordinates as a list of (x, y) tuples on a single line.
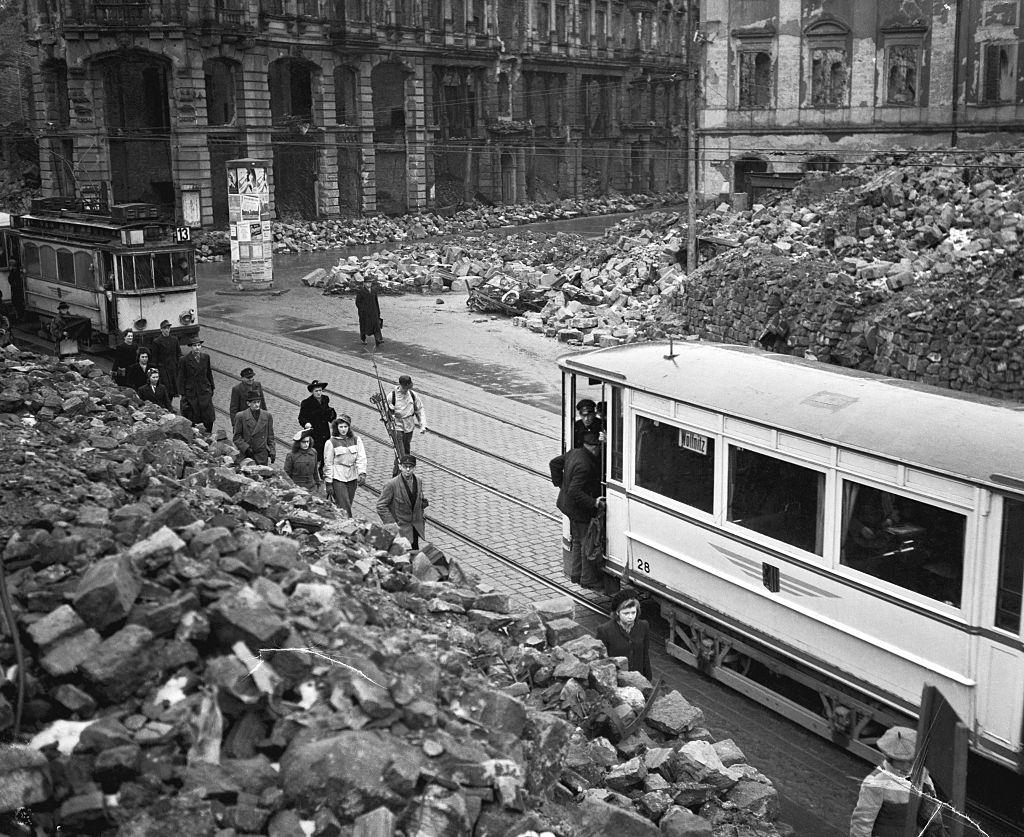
[(624, 635), (344, 464), (886, 793), (301, 463), (316, 414), (166, 355)]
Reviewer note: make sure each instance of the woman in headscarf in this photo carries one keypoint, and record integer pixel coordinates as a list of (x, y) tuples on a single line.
[(301, 463), (625, 635), (344, 464), (316, 415)]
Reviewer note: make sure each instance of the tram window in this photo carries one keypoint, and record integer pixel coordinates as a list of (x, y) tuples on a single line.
[(143, 272), (616, 432), (676, 463), (48, 263), (32, 259), (1011, 567), (162, 274), (182, 269), (66, 266), (777, 498), (127, 273), (906, 542), (83, 270)]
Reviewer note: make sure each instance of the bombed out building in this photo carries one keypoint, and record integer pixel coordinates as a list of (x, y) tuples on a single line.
[(794, 85), (361, 105)]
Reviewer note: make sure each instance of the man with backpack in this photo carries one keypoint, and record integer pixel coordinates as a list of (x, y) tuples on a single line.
[(409, 414), (577, 473)]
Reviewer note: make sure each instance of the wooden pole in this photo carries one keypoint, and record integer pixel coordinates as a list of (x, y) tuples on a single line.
[(691, 140)]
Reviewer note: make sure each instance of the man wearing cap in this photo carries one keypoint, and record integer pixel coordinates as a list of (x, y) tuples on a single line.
[(166, 357), (195, 384), (402, 501), (254, 432), (316, 414), (580, 500), (407, 408), (588, 422), (240, 391), (886, 793)]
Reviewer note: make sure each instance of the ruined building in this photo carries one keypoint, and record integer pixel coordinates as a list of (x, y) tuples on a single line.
[(361, 105), (793, 85)]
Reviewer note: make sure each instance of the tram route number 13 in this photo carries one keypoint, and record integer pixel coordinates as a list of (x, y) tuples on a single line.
[(642, 566), (182, 234)]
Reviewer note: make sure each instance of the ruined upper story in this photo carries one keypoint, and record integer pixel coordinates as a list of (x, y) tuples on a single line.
[(647, 32), (859, 64)]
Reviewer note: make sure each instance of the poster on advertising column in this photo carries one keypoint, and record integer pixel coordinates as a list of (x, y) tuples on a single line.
[(252, 264)]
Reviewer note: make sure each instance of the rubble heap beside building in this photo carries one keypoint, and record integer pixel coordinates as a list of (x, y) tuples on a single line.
[(211, 650)]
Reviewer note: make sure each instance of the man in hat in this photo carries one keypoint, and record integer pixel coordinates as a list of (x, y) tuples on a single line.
[(403, 500), (368, 308), (154, 391), (195, 385), (885, 795), (166, 356), (254, 432), (240, 392), (316, 415), (580, 500), (588, 422), (407, 408)]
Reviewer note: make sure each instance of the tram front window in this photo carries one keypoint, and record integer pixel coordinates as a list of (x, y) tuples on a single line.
[(162, 272), (906, 542), (776, 498)]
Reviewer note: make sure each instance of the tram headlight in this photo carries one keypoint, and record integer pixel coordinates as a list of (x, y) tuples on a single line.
[(140, 324), (187, 317)]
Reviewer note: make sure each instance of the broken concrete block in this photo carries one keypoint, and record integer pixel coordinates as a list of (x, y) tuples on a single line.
[(673, 714), (601, 818), (24, 778), (67, 654), (560, 631), (681, 822), (55, 625), (121, 662), (561, 607), (107, 591), (246, 616)]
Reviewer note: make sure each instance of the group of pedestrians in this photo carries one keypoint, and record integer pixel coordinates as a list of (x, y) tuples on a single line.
[(159, 373)]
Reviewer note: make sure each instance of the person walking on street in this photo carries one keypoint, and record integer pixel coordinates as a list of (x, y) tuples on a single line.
[(125, 355), (166, 356), (403, 500), (368, 308), (137, 375), (254, 432), (300, 463), (155, 392), (624, 635), (316, 414), (344, 464), (409, 414), (195, 385), (580, 500), (240, 391)]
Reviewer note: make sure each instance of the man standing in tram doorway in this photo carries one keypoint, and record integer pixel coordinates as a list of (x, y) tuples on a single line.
[(195, 384), (580, 500)]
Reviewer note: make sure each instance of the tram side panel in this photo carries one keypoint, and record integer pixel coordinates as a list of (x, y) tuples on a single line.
[(145, 311)]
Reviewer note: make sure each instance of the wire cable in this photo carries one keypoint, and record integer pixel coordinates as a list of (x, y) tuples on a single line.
[(19, 652)]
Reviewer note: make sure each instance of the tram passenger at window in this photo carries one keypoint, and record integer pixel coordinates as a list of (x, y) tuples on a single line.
[(885, 794), (867, 537), (625, 635), (588, 422)]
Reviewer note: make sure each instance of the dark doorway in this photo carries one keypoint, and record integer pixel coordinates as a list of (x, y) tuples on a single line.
[(742, 169), (295, 170)]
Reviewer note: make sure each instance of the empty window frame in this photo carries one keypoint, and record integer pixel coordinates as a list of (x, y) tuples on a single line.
[(913, 544), (584, 23), (776, 498), (828, 77), (756, 78), (543, 21), (675, 462), (617, 428), (346, 86), (901, 73), (1011, 567), (221, 85), (998, 73)]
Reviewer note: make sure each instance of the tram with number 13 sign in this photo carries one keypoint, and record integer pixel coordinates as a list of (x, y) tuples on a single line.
[(126, 268)]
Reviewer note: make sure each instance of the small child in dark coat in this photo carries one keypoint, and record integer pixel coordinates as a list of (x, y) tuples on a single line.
[(624, 635)]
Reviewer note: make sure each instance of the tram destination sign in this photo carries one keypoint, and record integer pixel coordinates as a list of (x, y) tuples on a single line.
[(693, 441)]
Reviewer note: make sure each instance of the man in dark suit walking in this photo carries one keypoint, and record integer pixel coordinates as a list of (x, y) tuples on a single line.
[(155, 392), (195, 385), (254, 432), (580, 500), (240, 391), (402, 501)]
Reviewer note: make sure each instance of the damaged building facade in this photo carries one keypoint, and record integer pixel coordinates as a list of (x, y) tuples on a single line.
[(360, 105), (790, 86)]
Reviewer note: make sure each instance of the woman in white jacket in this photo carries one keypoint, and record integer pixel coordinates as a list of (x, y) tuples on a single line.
[(344, 463)]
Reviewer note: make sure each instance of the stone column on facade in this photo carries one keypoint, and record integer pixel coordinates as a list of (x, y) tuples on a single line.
[(415, 139), (367, 152)]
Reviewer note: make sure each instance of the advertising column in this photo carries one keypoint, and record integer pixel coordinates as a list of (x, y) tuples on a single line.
[(252, 258)]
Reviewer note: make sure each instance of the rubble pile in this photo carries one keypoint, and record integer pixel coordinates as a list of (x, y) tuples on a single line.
[(306, 236), (211, 650)]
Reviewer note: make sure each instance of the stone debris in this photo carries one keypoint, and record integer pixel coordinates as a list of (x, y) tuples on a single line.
[(191, 670)]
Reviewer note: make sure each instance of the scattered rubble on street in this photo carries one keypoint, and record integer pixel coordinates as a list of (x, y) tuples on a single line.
[(210, 650)]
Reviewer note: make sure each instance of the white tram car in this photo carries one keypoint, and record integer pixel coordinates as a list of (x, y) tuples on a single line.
[(828, 541), (120, 269)]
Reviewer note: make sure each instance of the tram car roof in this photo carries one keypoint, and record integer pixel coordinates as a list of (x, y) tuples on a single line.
[(973, 437)]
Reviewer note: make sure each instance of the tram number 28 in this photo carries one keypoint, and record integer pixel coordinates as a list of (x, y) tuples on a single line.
[(642, 566)]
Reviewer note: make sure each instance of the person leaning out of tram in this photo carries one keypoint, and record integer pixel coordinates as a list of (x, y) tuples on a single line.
[(301, 464), (886, 793), (588, 422), (625, 634)]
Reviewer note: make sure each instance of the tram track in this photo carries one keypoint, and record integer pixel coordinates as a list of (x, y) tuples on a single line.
[(481, 547)]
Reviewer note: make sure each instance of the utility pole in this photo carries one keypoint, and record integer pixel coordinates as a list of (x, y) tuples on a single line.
[(691, 142)]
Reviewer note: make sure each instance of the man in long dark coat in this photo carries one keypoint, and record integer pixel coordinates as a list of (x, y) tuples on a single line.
[(579, 499), (195, 384), (166, 357), (316, 415), (368, 306)]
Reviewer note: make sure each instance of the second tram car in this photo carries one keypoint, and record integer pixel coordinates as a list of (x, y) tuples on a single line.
[(122, 269), (826, 540)]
